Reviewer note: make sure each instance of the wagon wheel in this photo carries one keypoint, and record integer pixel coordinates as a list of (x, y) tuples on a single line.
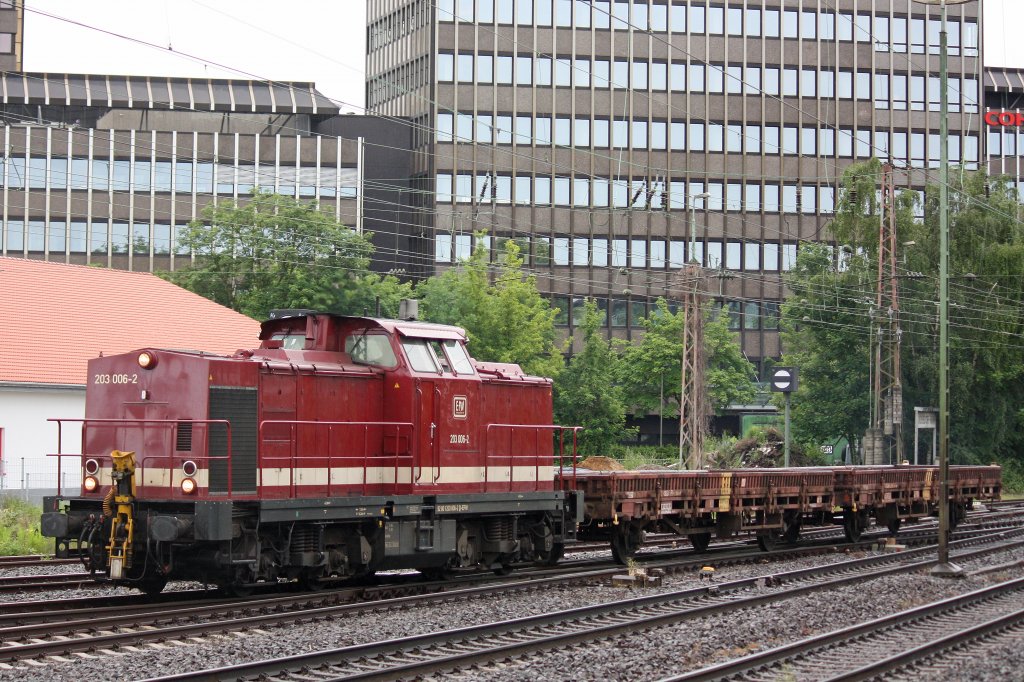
[(894, 527), (853, 525), (769, 539), (792, 532), (700, 541), (625, 543), (957, 512)]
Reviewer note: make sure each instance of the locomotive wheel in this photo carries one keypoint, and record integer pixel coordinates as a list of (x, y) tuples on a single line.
[(312, 583), (700, 541), (768, 540), (436, 574), (625, 543), (553, 557), (152, 585), (894, 527), (235, 587)]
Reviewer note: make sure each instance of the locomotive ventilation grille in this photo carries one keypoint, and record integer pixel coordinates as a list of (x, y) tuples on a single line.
[(238, 406), (183, 442)]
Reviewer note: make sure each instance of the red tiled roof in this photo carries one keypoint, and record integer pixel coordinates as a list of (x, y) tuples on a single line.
[(56, 317)]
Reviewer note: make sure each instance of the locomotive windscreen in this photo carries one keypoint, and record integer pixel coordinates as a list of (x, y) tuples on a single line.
[(238, 406)]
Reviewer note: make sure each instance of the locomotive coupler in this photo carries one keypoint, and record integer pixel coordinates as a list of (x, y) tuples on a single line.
[(122, 527)]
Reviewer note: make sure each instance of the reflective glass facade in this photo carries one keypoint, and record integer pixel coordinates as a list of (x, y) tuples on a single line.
[(584, 130)]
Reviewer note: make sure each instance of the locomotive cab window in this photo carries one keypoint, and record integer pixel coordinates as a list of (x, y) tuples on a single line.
[(439, 357), (421, 357), (458, 357), (371, 349), (291, 341)]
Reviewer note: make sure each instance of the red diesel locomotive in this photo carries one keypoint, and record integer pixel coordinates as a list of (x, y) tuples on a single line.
[(349, 445), (340, 447)]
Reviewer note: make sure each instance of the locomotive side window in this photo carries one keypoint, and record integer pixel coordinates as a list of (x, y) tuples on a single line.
[(457, 355), (421, 358), (291, 341), (371, 349)]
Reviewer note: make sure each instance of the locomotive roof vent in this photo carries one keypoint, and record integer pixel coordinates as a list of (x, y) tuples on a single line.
[(409, 309), (281, 313)]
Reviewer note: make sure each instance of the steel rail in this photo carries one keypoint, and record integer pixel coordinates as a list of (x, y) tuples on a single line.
[(882, 628), (455, 649), (938, 647)]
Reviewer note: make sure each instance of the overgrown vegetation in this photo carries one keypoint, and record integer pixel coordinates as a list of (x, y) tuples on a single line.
[(829, 319), (19, 529)]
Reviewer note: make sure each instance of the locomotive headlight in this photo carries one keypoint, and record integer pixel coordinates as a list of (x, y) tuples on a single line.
[(90, 484), (92, 467), (189, 468), (188, 486), (147, 360)]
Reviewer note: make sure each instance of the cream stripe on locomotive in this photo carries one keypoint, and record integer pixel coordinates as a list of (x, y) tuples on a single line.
[(381, 475), (273, 476)]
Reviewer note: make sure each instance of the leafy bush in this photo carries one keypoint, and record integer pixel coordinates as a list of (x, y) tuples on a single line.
[(19, 529)]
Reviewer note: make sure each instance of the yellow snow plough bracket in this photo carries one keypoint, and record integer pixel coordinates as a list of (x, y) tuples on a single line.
[(122, 526)]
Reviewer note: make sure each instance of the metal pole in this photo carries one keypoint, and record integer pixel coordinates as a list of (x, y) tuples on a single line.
[(944, 568), (661, 411), (785, 460), (682, 397)]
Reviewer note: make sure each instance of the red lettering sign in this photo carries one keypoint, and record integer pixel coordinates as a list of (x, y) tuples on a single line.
[(1006, 119)]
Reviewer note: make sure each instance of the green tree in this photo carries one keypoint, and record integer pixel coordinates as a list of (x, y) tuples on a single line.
[(372, 290), (272, 251), (825, 333), (986, 317), (586, 393), (506, 320), (651, 368), (829, 314)]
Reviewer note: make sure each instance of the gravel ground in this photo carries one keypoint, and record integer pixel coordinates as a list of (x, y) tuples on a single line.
[(40, 569), (647, 656)]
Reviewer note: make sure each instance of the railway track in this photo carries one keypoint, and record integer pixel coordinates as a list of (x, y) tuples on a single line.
[(55, 581), (456, 650), (917, 643), (672, 561), (37, 635), (33, 560)]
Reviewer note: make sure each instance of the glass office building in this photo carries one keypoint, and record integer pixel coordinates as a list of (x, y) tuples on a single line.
[(110, 170), (586, 130)]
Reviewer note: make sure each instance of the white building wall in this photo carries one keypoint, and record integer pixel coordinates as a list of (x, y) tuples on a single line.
[(28, 437)]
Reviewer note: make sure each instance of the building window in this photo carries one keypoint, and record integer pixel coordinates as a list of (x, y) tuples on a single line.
[(734, 314), (6, 43), (751, 315)]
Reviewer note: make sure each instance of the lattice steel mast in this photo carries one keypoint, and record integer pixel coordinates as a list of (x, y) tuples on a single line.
[(887, 445)]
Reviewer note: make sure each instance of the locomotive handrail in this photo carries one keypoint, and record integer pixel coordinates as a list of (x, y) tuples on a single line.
[(538, 429), (120, 423), (294, 457)]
